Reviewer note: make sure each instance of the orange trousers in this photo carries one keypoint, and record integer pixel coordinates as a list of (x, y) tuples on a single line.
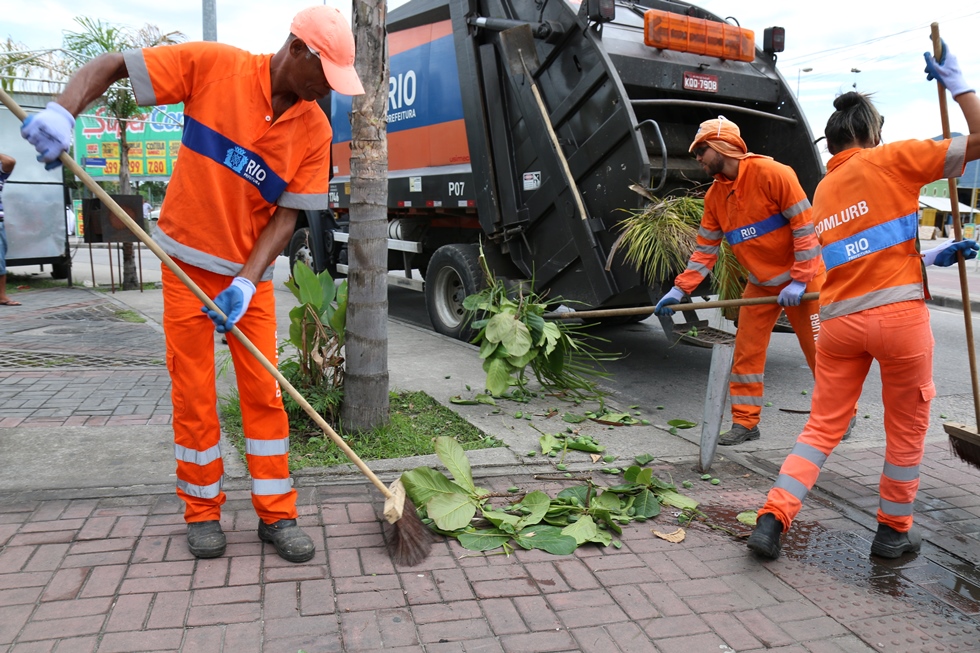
[(190, 360), (746, 384), (899, 337)]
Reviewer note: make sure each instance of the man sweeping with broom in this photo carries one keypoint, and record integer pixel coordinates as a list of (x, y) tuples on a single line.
[(759, 207), (255, 150)]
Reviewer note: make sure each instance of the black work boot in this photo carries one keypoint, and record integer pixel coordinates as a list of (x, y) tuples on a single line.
[(764, 540), (889, 543), (291, 542), (205, 539), (739, 434)]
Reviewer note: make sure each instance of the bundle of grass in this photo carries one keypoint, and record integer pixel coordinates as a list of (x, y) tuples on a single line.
[(658, 240)]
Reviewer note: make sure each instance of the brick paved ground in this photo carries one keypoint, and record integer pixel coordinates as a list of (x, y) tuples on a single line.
[(114, 574)]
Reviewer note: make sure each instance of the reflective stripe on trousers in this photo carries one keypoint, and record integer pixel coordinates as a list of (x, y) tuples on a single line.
[(746, 385), (898, 336), (190, 359)]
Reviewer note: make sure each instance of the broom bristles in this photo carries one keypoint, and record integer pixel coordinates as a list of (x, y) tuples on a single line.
[(968, 452), (409, 541)]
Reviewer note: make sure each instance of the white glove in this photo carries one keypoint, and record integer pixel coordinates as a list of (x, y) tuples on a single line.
[(50, 132), (947, 71)]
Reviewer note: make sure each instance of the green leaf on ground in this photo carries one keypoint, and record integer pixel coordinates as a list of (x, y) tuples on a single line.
[(455, 460), (483, 540), (748, 517), (547, 538), (424, 483), (451, 511), (643, 459)]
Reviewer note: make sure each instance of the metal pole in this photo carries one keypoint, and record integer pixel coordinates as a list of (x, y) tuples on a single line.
[(210, 19)]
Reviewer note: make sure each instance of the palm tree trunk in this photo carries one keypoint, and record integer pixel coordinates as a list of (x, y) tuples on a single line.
[(129, 279), (366, 382)]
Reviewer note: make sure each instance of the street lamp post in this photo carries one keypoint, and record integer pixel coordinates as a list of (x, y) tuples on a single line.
[(798, 71)]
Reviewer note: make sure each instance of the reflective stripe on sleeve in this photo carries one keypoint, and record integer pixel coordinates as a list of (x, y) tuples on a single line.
[(807, 254), (805, 230), (266, 447), (955, 157), (710, 250), (710, 235), (901, 474), (139, 77), (200, 491), (271, 486), (698, 267), (187, 455), (797, 209), (310, 202)]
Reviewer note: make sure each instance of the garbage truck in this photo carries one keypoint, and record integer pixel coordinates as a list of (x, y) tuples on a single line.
[(527, 127)]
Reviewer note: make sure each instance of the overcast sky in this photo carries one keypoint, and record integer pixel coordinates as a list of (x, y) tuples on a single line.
[(884, 40)]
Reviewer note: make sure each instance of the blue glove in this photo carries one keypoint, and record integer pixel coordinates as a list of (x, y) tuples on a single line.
[(791, 294), (945, 255), (947, 71), (673, 297), (50, 133), (233, 302)]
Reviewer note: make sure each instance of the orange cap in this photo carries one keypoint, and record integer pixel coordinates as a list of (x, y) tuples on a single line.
[(721, 135), (326, 32)]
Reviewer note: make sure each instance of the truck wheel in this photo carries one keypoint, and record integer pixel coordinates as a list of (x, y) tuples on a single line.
[(60, 270), (300, 250), (453, 274)]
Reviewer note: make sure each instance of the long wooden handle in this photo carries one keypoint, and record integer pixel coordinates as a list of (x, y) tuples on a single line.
[(194, 288), (688, 306), (937, 48)]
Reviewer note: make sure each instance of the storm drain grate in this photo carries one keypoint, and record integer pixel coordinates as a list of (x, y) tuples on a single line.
[(19, 360)]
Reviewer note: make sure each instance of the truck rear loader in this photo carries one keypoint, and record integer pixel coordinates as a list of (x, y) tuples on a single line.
[(521, 126)]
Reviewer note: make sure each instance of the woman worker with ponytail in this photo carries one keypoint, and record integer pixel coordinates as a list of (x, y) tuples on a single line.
[(872, 305)]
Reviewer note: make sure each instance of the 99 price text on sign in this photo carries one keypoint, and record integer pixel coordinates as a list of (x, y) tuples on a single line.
[(700, 82)]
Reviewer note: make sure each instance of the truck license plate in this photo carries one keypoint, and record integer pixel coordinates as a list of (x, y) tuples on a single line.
[(700, 82)]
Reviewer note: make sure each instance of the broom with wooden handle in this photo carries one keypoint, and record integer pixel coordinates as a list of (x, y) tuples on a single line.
[(687, 306), (963, 440), (410, 541)]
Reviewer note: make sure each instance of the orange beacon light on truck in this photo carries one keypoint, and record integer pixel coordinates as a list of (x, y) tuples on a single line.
[(669, 31)]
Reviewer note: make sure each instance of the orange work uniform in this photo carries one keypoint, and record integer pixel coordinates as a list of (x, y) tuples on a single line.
[(765, 216), (872, 308), (236, 165)]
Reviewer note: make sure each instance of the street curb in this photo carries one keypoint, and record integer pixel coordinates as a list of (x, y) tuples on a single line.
[(953, 303)]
